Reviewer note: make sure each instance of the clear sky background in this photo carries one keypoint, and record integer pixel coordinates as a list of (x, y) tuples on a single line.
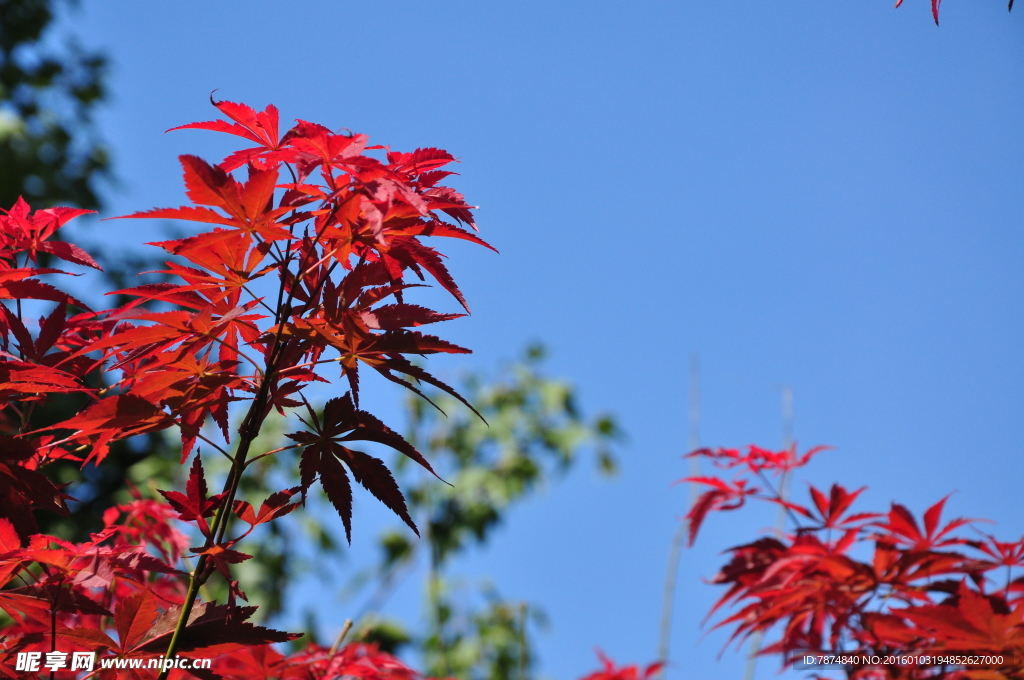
[(825, 195)]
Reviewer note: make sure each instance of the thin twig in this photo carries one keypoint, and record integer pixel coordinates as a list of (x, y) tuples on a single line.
[(270, 453), (675, 551), (341, 636), (258, 299)]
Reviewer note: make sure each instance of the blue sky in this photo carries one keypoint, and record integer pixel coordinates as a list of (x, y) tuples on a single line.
[(820, 195)]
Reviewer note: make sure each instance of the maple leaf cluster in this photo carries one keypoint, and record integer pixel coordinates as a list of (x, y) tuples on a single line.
[(885, 583), (611, 671), (301, 277), (119, 595), (341, 249)]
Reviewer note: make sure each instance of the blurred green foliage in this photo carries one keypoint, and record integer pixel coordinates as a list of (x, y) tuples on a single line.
[(49, 151), (534, 433)]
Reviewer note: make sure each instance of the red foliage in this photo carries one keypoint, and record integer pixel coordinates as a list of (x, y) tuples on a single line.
[(881, 584), (612, 672), (305, 269)]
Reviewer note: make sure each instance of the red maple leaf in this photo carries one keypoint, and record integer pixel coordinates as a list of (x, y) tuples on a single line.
[(324, 452)]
